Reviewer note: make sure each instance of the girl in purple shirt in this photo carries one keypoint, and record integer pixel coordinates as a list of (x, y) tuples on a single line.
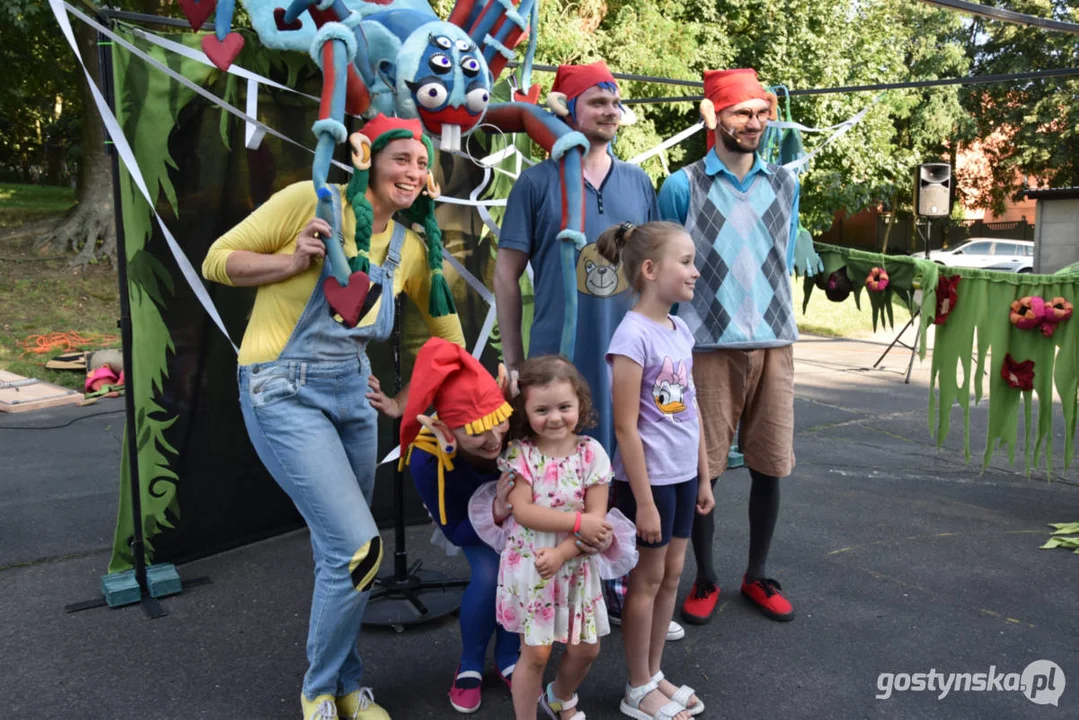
[(660, 451)]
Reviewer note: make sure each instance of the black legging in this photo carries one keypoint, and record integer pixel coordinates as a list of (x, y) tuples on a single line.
[(763, 511)]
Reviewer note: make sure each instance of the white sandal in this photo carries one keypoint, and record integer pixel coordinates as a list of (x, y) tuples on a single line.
[(631, 703), (553, 706), (682, 696)]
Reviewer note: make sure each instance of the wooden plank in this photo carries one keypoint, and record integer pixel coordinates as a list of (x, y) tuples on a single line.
[(20, 394)]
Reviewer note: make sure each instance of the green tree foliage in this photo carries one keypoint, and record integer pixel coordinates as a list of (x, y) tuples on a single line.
[(1031, 127), (40, 111), (800, 44)]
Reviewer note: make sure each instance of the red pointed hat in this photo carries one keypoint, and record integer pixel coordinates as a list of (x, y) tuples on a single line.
[(730, 87), (572, 80), (380, 125), (462, 391)]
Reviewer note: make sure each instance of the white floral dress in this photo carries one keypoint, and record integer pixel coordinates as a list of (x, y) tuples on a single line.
[(568, 607)]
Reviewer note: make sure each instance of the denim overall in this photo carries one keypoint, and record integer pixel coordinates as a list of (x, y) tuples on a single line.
[(316, 433)]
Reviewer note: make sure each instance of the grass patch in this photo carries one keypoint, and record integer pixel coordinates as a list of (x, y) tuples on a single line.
[(824, 317), (43, 296), (24, 203)]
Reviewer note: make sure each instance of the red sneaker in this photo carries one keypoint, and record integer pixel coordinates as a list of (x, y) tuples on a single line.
[(764, 593), (465, 694), (699, 605)]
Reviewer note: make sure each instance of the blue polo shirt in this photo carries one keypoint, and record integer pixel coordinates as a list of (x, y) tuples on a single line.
[(674, 195), (531, 224)]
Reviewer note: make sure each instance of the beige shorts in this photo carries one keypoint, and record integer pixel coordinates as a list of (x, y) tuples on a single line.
[(751, 391)]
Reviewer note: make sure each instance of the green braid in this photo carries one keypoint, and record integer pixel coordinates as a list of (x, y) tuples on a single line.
[(356, 193), (365, 216), (422, 213)]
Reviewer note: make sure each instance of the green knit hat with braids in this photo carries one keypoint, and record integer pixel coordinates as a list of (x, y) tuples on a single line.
[(382, 130)]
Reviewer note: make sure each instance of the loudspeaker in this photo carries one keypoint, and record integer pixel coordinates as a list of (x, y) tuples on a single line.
[(933, 190)]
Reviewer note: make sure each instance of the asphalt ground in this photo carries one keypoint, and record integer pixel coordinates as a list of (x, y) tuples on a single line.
[(900, 558)]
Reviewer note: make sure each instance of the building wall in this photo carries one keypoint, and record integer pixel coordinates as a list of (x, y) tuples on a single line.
[(857, 231), (1056, 234)]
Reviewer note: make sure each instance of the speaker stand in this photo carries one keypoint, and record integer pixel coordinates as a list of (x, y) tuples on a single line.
[(914, 316), (899, 341)]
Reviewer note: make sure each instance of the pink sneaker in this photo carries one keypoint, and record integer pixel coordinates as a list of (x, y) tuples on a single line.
[(506, 675), (466, 692)]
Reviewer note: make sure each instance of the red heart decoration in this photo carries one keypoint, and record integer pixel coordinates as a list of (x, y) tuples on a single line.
[(279, 20), (196, 11), (222, 52), (530, 97), (347, 301)]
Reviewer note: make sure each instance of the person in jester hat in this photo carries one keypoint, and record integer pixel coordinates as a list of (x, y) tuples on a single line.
[(452, 455), (587, 98), (307, 395), (742, 214)]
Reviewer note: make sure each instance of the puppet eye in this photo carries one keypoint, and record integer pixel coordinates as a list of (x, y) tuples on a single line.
[(463, 45), (440, 63), (476, 100), (470, 65), (443, 42), (431, 95)]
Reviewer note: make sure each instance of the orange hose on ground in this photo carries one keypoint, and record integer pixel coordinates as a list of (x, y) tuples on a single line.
[(63, 341)]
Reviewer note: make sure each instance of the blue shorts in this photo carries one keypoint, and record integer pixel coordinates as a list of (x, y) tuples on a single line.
[(677, 504)]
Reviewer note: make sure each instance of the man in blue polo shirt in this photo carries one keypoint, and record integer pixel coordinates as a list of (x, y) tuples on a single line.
[(743, 217), (615, 192)]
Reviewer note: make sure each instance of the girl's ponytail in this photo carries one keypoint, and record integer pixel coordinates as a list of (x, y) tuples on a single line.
[(613, 240), (629, 245)]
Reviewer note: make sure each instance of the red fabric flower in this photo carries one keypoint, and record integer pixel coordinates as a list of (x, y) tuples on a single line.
[(947, 296), (877, 279), (1019, 375)]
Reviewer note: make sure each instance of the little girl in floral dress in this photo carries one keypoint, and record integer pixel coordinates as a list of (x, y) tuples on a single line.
[(548, 591)]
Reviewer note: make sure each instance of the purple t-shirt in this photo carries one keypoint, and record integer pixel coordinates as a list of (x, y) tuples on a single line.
[(668, 421)]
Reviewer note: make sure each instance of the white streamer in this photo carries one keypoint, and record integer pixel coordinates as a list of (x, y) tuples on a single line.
[(253, 134), (670, 142), (112, 126)]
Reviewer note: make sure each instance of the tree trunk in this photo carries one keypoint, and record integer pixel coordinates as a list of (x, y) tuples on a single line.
[(89, 229), (891, 224)]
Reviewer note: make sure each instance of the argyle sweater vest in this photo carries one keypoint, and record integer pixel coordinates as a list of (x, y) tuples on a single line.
[(743, 298)]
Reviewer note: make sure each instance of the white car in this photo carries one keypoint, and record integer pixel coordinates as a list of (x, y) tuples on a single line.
[(988, 254)]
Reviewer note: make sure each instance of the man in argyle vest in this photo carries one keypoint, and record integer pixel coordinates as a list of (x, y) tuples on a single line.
[(743, 217)]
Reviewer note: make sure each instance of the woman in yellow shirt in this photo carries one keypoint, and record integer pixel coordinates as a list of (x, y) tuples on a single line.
[(304, 373)]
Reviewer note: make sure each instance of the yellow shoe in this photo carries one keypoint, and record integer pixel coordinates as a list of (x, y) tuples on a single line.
[(360, 705), (321, 708)]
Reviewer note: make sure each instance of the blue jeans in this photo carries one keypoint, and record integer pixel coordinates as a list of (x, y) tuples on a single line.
[(315, 431), (316, 434)]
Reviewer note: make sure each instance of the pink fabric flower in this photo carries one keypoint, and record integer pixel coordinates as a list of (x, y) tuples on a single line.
[(877, 280), (1027, 312)]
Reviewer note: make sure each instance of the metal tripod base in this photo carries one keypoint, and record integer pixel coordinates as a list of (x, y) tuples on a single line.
[(913, 348), (421, 596)]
